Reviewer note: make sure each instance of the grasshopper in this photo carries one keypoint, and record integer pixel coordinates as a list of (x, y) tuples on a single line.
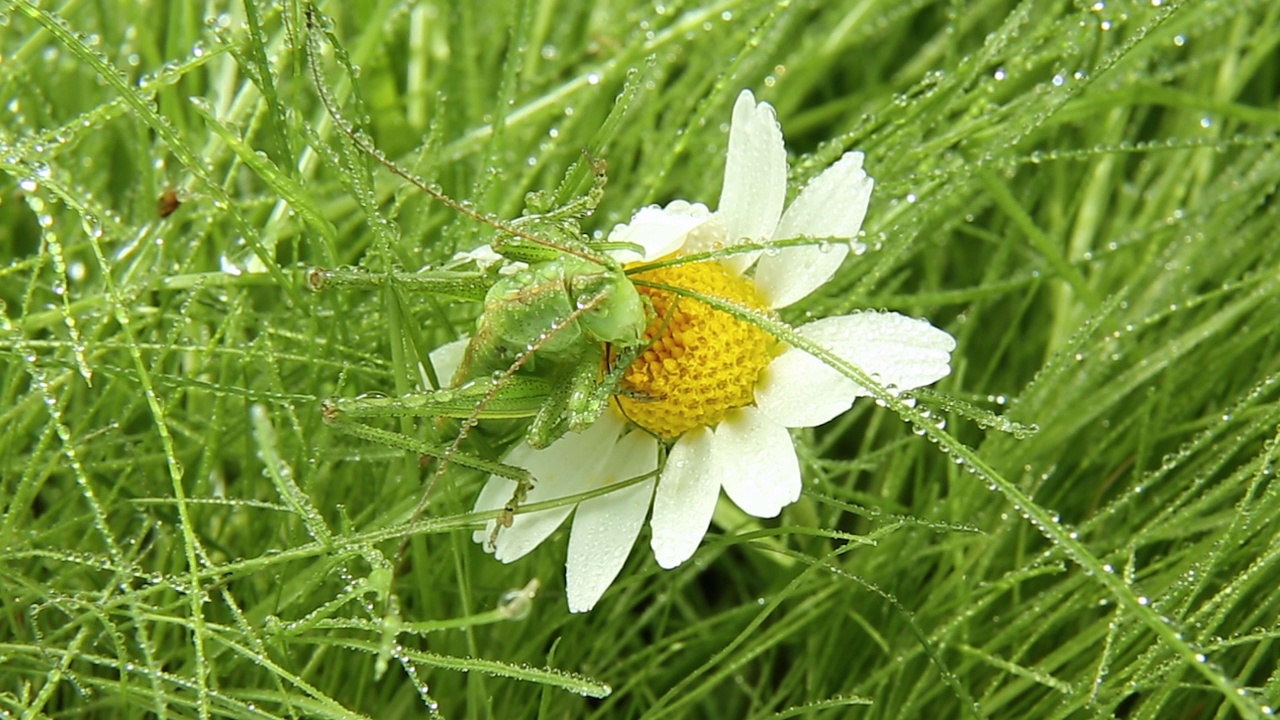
[(559, 324)]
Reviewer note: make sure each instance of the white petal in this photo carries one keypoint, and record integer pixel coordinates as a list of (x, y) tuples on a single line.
[(606, 527), (832, 206), (527, 530), (484, 257), (799, 390), (446, 359), (686, 498), (712, 235), (757, 462), (566, 467), (901, 351), (787, 275), (660, 231), (755, 174)]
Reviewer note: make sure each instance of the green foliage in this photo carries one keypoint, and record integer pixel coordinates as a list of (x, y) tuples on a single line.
[(1082, 193)]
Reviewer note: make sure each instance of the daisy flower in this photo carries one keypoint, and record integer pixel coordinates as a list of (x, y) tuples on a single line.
[(719, 392)]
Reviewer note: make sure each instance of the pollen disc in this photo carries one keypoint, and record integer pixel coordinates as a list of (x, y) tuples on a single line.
[(702, 362)]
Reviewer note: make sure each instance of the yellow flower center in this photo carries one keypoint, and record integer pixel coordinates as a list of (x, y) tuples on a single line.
[(701, 362)]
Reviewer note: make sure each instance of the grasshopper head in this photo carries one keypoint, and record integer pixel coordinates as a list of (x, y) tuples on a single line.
[(616, 312)]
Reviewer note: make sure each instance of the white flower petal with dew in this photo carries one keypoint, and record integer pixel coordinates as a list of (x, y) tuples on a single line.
[(901, 351), (757, 462), (660, 231), (799, 390), (686, 498), (484, 258), (528, 530), (706, 237), (605, 527), (567, 467), (832, 206), (755, 176)]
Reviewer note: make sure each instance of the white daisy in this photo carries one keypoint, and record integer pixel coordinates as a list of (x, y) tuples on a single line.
[(719, 391)]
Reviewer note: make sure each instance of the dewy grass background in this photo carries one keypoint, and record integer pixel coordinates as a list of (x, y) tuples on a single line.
[(1084, 194)]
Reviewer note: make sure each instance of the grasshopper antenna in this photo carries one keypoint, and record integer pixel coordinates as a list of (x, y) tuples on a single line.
[(362, 141)]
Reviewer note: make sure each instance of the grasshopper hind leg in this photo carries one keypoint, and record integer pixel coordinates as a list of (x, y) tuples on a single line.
[(574, 403)]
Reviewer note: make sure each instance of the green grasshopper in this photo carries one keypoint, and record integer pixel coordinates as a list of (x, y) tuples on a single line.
[(540, 342), (544, 336)]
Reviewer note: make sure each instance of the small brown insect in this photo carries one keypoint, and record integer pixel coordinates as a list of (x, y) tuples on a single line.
[(167, 203)]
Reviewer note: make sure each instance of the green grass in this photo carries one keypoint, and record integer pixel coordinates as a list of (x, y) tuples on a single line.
[(1084, 195)]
